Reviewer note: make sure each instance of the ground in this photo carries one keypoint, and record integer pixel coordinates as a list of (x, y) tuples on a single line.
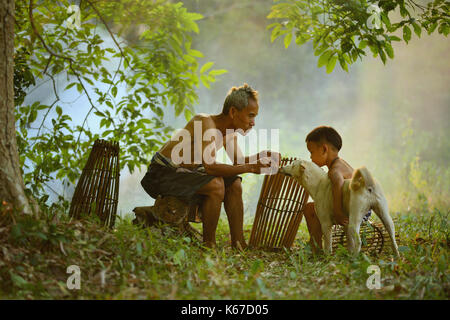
[(130, 262)]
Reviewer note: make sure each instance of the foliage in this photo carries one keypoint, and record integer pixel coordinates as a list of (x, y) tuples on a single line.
[(340, 30), (141, 47), (156, 263)]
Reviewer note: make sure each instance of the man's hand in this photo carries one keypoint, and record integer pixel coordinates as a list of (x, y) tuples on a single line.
[(271, 154), (259, 165)]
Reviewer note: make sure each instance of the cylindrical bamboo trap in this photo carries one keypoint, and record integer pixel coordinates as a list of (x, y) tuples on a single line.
[(97, 191), (279, 211), (374, 237)]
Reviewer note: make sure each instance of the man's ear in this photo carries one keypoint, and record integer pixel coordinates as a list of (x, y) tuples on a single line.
[(232, 112), (325, 148)]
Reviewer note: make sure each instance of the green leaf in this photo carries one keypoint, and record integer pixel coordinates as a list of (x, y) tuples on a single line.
[(331, 63), (114, 91), (389, 50), (394, 38), (195, 16), (406, 33), (362, 44), (343, 63), (18, 280), (195, 53), (444, 29), (417, 29), (386, 21), (275, 33), (70, 85), (205, 81), (432, 27), (206, 66), (188, 114), (323, 59), (33, 116), (287, 40), (382, 55), (217, 72)]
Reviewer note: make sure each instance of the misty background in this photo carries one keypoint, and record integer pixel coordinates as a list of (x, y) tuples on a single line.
[(393, 118)]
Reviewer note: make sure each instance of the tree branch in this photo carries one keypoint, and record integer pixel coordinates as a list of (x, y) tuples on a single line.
[(110, 33)]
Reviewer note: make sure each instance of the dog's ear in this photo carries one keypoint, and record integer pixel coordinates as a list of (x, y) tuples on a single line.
[(302, 166)]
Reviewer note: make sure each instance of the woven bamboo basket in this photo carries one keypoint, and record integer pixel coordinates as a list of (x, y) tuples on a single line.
[(97, 191), (374, 237), (279, 211)]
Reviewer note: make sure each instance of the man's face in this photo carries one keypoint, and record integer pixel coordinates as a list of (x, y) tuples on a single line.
[(245, 118), (318, 153)]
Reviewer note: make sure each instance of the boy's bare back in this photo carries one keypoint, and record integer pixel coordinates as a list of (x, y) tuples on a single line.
[(342, 168)]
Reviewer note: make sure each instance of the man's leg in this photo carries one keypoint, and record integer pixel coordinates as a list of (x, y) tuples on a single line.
[(234, 207), (214, 194), (314, 228)]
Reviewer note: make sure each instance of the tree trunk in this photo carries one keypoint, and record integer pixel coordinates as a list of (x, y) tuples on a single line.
[(11, 180)]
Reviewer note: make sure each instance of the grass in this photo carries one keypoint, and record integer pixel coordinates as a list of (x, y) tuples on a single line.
[(130, 262)]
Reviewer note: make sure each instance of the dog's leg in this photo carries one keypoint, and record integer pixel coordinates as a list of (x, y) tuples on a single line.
[(327, 238), (349, 239), (357, 211), (353, 238), (382, 211)]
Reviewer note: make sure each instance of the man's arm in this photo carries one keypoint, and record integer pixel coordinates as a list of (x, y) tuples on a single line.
[(226, 170), (337, 181), (236, 156)]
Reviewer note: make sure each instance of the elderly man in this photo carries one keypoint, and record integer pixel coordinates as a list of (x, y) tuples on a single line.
[(188, 170)]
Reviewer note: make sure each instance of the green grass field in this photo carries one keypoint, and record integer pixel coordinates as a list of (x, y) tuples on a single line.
[(155, 263)]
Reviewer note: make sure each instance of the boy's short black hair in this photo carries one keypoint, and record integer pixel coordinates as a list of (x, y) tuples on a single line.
[(325, 134)]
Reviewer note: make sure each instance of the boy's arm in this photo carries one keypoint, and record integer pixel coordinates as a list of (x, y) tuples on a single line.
[(337, 181)]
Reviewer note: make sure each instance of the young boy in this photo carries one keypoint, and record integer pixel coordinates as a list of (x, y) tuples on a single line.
[(324, 144)]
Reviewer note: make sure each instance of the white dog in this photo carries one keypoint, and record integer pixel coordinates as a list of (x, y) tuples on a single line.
[(360, 194)]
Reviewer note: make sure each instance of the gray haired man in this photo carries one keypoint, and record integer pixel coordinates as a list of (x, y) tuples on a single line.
[(188, 170)]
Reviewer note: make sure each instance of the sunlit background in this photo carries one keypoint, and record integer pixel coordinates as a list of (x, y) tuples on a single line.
[(393, 118)]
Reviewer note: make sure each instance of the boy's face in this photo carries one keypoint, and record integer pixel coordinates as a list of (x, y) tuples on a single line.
[(318, 152)]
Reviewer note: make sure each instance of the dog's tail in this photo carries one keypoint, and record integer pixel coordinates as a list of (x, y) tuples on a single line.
[(362, 179)]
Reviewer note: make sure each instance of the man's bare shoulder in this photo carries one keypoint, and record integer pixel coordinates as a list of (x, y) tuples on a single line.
[(205, 118)]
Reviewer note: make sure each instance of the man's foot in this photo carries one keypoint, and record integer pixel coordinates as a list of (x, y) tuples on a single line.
[(239, 246), (209, 244), (341, 219)]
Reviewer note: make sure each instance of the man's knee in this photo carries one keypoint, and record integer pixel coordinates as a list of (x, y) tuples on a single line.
[(235, 188), (216, 188)]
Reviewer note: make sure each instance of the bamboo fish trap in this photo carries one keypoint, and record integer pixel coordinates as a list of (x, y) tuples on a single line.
[(279, 211), (97, 191), (374, 237)]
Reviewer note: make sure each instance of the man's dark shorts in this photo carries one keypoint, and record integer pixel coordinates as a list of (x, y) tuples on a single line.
[(180, 183)]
